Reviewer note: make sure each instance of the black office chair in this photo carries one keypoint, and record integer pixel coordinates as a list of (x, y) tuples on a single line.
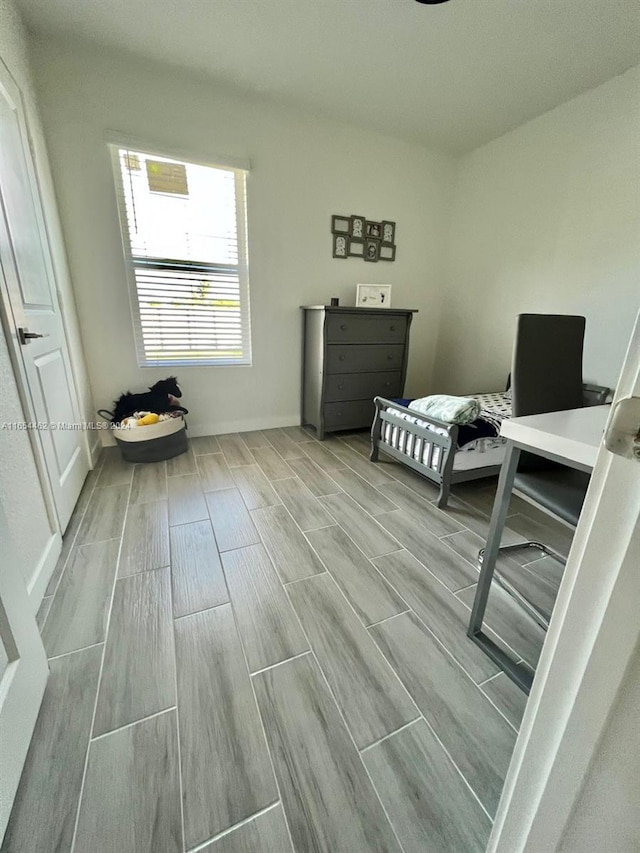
[(546, 376)]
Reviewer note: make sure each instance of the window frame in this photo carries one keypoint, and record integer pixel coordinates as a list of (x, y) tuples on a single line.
[(241, 174)]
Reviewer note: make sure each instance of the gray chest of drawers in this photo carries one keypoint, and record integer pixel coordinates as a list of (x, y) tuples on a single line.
[(351, 355)]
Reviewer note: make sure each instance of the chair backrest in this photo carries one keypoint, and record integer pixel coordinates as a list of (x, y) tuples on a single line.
[(546, 372)]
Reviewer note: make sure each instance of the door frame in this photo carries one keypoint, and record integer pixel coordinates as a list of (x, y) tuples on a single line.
[(592, 637)]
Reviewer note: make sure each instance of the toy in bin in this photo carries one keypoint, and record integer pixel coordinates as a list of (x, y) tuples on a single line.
[(149, 427)]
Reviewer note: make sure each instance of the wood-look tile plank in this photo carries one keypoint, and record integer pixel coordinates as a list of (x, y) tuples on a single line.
[(315, 479), (448, 566), (138, 673), (427, 801), (507, 697), (68, 541), (272, 464), (423, 487), (204, 444), (540, 527), (114, 471), (510, 622), (480, 494), (289, 550), (226, 772), (478, 739), (370, 499), (45, 807), (104, 516), (439, 609), (196, 572), (131, 798), (214, 472), (361, 444), (183, 464), (69, 537), (254, 487), (476, 521), (438, 523), (267, 833), (328, 798), (296, 433), (145, 541), (78, 614), (149, 482), (254, 438), (267, 625), (373, 472), (231, 522), (234, 450), (371, 698), (531, 581), (307, 511), (186, 500), (366, 590), (365, 531), (321, 456), (285, 446)]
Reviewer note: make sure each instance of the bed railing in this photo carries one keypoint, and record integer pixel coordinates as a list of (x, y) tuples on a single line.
[(409, 440)]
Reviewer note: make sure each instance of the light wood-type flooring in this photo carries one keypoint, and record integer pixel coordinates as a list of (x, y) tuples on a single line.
[(260, 647)]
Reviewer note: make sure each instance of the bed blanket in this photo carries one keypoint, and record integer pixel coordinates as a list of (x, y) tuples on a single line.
[(443, 407)]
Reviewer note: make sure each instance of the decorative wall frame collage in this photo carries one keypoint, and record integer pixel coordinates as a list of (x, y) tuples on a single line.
[(358, 237)]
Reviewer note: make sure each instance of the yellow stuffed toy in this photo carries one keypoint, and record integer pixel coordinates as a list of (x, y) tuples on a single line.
[(150, 418)]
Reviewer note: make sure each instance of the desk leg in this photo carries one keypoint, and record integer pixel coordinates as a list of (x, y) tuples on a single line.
[(498, 517)]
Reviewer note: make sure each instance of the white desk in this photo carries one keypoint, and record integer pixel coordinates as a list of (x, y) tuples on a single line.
[(570, 437)]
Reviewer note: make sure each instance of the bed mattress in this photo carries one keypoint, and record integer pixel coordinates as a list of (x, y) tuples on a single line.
[(481, 453)]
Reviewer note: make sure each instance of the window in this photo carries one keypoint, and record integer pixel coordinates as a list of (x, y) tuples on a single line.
[(184, 234)]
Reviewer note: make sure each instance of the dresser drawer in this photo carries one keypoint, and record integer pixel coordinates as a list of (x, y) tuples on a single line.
[(360, 386), (351, 328), (360, 358), (348, 415)]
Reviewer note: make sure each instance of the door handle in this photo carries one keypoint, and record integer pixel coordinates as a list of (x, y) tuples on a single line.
[(25, 336)]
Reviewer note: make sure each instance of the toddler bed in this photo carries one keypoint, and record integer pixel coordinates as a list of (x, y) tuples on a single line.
[(444, 453)]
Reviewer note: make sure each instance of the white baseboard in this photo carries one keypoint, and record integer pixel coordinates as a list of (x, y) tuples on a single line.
[(44, 570), (246, 425)]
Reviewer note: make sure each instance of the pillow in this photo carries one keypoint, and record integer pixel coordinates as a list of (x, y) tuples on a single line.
[(451, 410)]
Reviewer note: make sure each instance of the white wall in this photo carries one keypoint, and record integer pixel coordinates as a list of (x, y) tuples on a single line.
[(303, 170), (546, 219), (606, 814)]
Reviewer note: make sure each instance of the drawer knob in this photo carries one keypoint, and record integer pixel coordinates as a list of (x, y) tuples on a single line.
[(342, 358), (389, 358), (344, 327), (340, 387), (393, 328)]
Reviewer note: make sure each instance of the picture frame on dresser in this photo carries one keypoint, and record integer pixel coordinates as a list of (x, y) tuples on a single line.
[(373, 296)]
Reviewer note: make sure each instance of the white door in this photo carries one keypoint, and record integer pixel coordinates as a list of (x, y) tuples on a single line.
[(31, 312), (583, 679), (23, 672)]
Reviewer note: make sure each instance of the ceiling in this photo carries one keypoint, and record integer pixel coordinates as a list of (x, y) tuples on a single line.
[(451, 76)]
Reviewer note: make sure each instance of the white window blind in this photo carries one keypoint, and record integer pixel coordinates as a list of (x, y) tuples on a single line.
[(184, 234)]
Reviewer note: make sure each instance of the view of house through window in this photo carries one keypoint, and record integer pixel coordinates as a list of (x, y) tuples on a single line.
[(184, 233)]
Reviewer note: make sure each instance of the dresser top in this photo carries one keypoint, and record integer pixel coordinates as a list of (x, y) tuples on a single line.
[(351, 309)]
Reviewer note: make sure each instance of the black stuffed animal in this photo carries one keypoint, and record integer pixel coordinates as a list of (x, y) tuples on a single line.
[(160, 398)]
